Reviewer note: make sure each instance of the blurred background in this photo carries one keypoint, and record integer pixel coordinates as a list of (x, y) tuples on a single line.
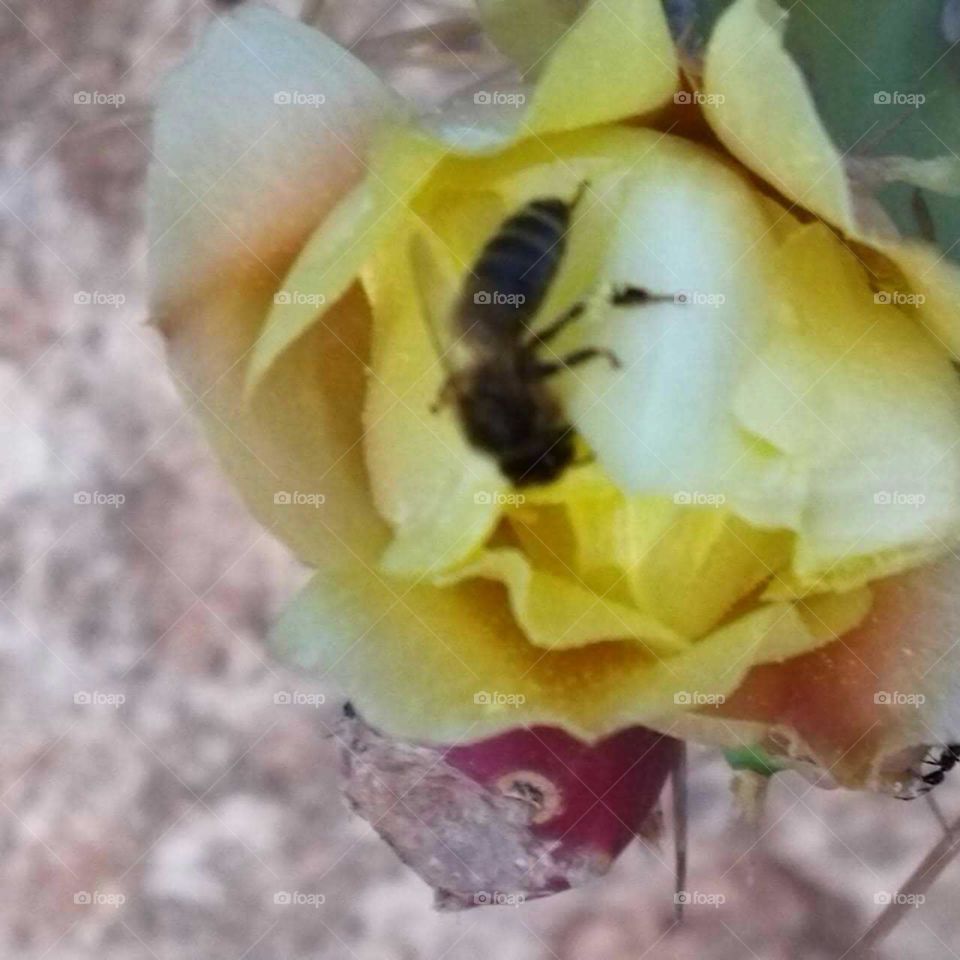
[(155, 799)]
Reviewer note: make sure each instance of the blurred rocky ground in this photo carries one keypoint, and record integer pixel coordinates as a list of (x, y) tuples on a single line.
[(155, 799)]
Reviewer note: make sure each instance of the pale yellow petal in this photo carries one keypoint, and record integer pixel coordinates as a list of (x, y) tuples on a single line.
[(855, 392), (560, 612), (761, 108), (616, 61), (331, 259), (417, 660), (234, 192)]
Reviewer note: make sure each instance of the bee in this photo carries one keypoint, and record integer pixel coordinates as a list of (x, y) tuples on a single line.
[(942, 762), (948, 759), (501, 390)]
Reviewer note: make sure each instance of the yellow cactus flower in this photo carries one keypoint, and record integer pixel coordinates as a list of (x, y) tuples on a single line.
[(759, 545)]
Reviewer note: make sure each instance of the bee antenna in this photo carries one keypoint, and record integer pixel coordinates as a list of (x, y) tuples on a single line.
[(579, 195)]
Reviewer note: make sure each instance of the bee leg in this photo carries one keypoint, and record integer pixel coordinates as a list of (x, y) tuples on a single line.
[(575, 359), (548, 333), (627, 296), (620, 297), (583, 187)]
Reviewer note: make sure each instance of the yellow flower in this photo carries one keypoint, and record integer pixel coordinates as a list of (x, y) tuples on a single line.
[(777, 450)]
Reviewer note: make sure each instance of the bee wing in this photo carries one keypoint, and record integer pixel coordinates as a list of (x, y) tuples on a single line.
[(436, 291)]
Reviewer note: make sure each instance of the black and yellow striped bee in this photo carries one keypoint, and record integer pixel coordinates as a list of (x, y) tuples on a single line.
[(499, 380)]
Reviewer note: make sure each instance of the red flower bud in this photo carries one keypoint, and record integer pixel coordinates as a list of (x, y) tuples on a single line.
[(521, 815)]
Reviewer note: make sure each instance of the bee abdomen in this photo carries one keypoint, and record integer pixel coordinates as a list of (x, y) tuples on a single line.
[(519, 262)]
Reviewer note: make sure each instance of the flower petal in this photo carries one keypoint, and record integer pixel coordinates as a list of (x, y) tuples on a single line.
[(687, 227), (833, 416), (559, 613), (761, 108), (331, 259), (857, 706), (230, 181), (418, 659), (616, 61), (439, 495), (233, 195), (758, 104), (526, 32), (595, 61), (858, 396)]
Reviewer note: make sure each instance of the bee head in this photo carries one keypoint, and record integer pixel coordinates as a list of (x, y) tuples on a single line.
[(519, 426), (541, 462)]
